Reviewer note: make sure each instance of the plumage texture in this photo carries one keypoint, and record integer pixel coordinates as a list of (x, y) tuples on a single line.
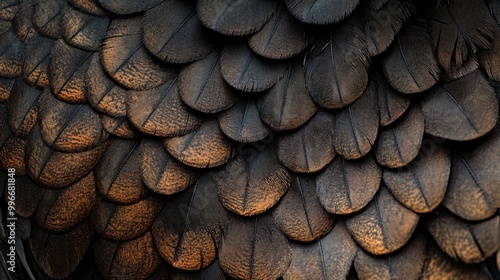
[(185, 140)]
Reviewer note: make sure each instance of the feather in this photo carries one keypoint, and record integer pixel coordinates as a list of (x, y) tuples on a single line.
[(356, 126), (212, 272), (457, 71), (134, 259), (127, 61), (345, 187), (246, 253), (406, 263), (56, 169), (391, 104), (252, 183), (321, 12), (189, 228), (120, 127), (5, 131), (12, 154), (22, 21), (125, 222), (88, 6), (67, 69), (242, 122), (287, 105), (411, 69), (47, 17), (160, 172), (82, 30), (36, 63), (22, 108), (490, 59), (421, 185), (103, 93), (127, 7), (231, 17), (202, 148), (399, 144), (58, 254), (328, 258), (246, 71), (28, 195), (460, 29), (439, 266), (281, 37), (383, 22), (383, 226), (5, 26), (469, 242), (160, 111), (473, 189), (461, 110), (61, 210), (8, 9), (118, 176), (310, 148), (6, 86), (69, 127), (178, 38), (299, 214), (336, 65), (11, 55), (202, 86)]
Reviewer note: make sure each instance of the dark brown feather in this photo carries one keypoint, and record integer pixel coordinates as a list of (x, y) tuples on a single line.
[(160, 111), (56, 169), (6, 86), (23, 108), (252, 182), (134, 259), (8, 9), (310, 148), (125, 222), (179, 37), (127, 61), (88, 6), (58, 254), (391, 104), (205, 147), (127, 7), (282, 37), (345, 187), (410, 65), (299, 214), (461, 110), (120, 127), (160, 172), (69, 127), (11, 55), (469, 242), (83, 30), (118, 175), (287, 105), (202, 86), (384, 225), (28, 195), (473, 190), (421, 185), (67, 69), (328, 258), (336, 66), (253, 248), (247, 71), (22, 20), (189, 228), (102, 92), (399, 144), (47, 17), (356, 126), (36, 62), (242, 122), (12, 154), (61, 210)]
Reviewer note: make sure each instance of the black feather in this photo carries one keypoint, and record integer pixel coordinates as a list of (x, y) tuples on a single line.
[(127, 7), (23, 108), (47, 17), (83, 30), (321, 12), (36, 63)]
